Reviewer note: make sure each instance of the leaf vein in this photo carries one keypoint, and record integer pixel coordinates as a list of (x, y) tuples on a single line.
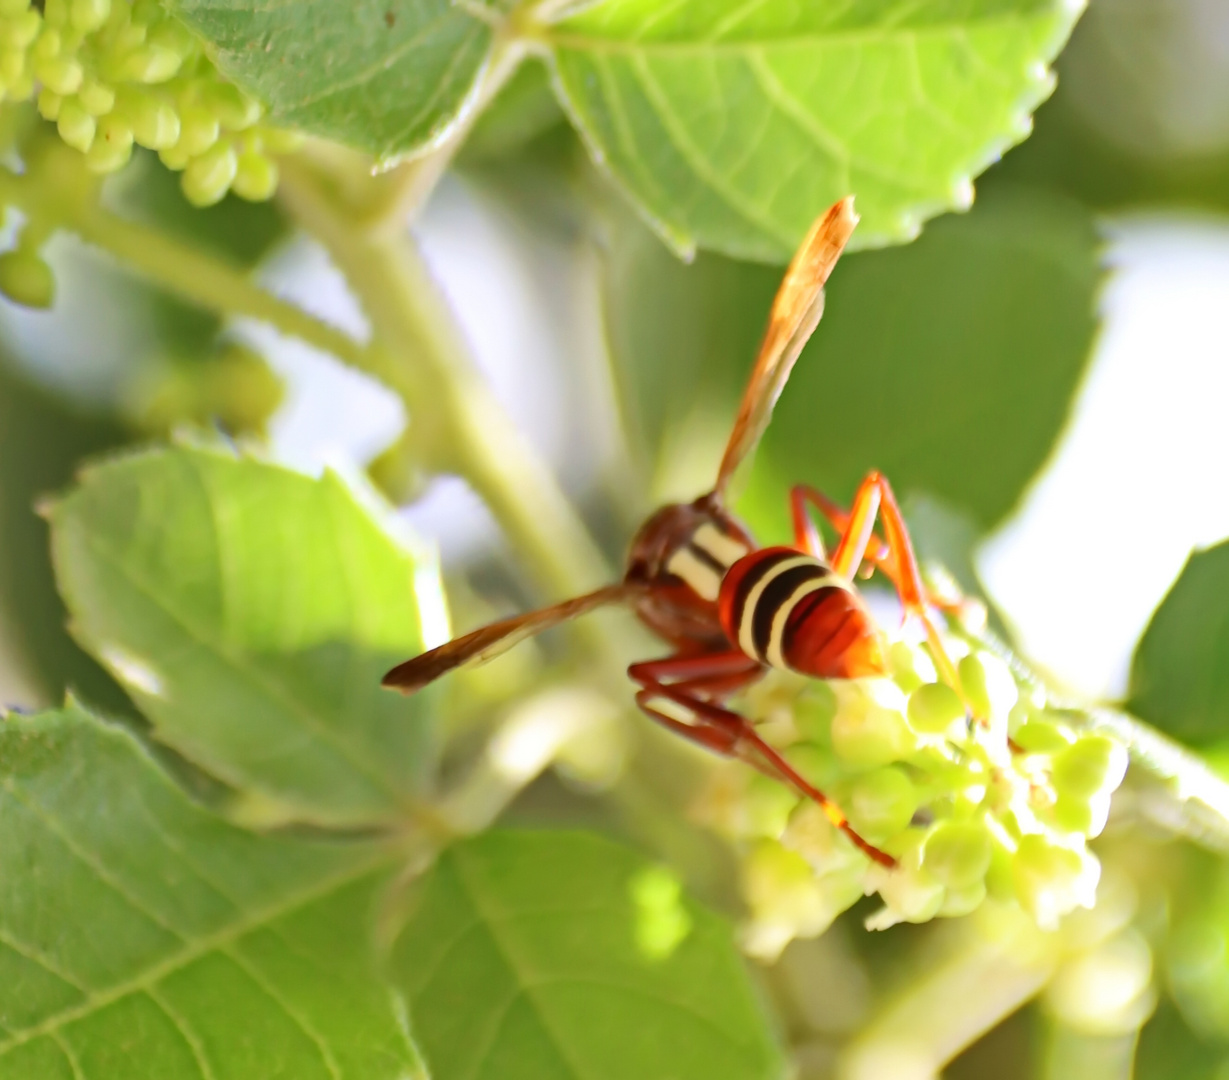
[(180, 1023), (193, 951), (694, 157)]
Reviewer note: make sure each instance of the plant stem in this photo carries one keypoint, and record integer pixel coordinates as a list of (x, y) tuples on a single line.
[(953, 1005), (1193, 800), (205, 280), (456, 423)]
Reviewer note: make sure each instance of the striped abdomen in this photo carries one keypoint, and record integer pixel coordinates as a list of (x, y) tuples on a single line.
[(789, 610)]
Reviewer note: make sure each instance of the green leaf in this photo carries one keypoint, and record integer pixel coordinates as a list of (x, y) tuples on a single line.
[(142, 937), (563, 955), (949, 364), (384, 76), (250, 612), (1180, 673), (522, 111), (733, 124), (42, 439)]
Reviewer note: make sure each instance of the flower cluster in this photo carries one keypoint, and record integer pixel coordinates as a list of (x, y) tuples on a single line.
[(994, 798), (113, 74)]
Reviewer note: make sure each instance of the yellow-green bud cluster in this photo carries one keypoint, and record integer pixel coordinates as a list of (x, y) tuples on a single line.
[(985, 794), (114, 74)]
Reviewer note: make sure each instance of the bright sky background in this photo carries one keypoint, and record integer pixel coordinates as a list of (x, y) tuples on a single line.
[(1142, 473)]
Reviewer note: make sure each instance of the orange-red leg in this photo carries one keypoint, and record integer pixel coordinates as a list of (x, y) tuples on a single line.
[(876, 551), (806, 536), (697, 683), (894, 553)]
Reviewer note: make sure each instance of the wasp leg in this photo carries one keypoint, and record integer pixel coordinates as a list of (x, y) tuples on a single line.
[(700, 682), (895, 552), (877, 551)]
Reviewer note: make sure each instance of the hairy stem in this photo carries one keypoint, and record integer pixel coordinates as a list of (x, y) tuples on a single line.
[(456, 423), (1187, 797)]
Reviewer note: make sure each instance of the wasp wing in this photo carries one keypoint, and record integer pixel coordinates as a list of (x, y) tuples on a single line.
[(795, 314), (489, 642)]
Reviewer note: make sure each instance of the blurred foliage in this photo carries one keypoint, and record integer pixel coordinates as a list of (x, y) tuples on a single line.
[(42, 442), (250, 610), (948, 364), (1180, 674), (1117, 133)]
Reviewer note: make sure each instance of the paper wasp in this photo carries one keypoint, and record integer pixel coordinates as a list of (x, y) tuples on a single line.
[(730, 608)]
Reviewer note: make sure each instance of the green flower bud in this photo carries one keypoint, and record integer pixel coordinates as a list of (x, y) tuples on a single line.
[(103, 158), (55, 12), (96, 98), (47, 45), (233, 108), (198, 130), (957, 853), (1051, 880), (63, 74), (788, 900), (12, 64), (174, 158), (21, 88), (49, 104), (26, 279), (1094, 763), (1081, 814), (20, 31), (155, 125), (780, 881), (911, 893), (1042, 737), (207, 178), (131, 36), (910, 666), (869, 728), (148, 11), (112, 146), (882, 802), (813, 765), (1000, 876), (172, 35), (76, 126), (767, 805), (151, 64), (957, 902), (934, 707), (88, 15), (988, 684), (256, 177), (814, 710)]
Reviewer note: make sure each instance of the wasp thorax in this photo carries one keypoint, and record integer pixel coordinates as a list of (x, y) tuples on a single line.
[(682, 553)]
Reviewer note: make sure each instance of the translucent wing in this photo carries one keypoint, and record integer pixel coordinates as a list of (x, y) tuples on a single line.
[(795, 314), (490, 641)]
